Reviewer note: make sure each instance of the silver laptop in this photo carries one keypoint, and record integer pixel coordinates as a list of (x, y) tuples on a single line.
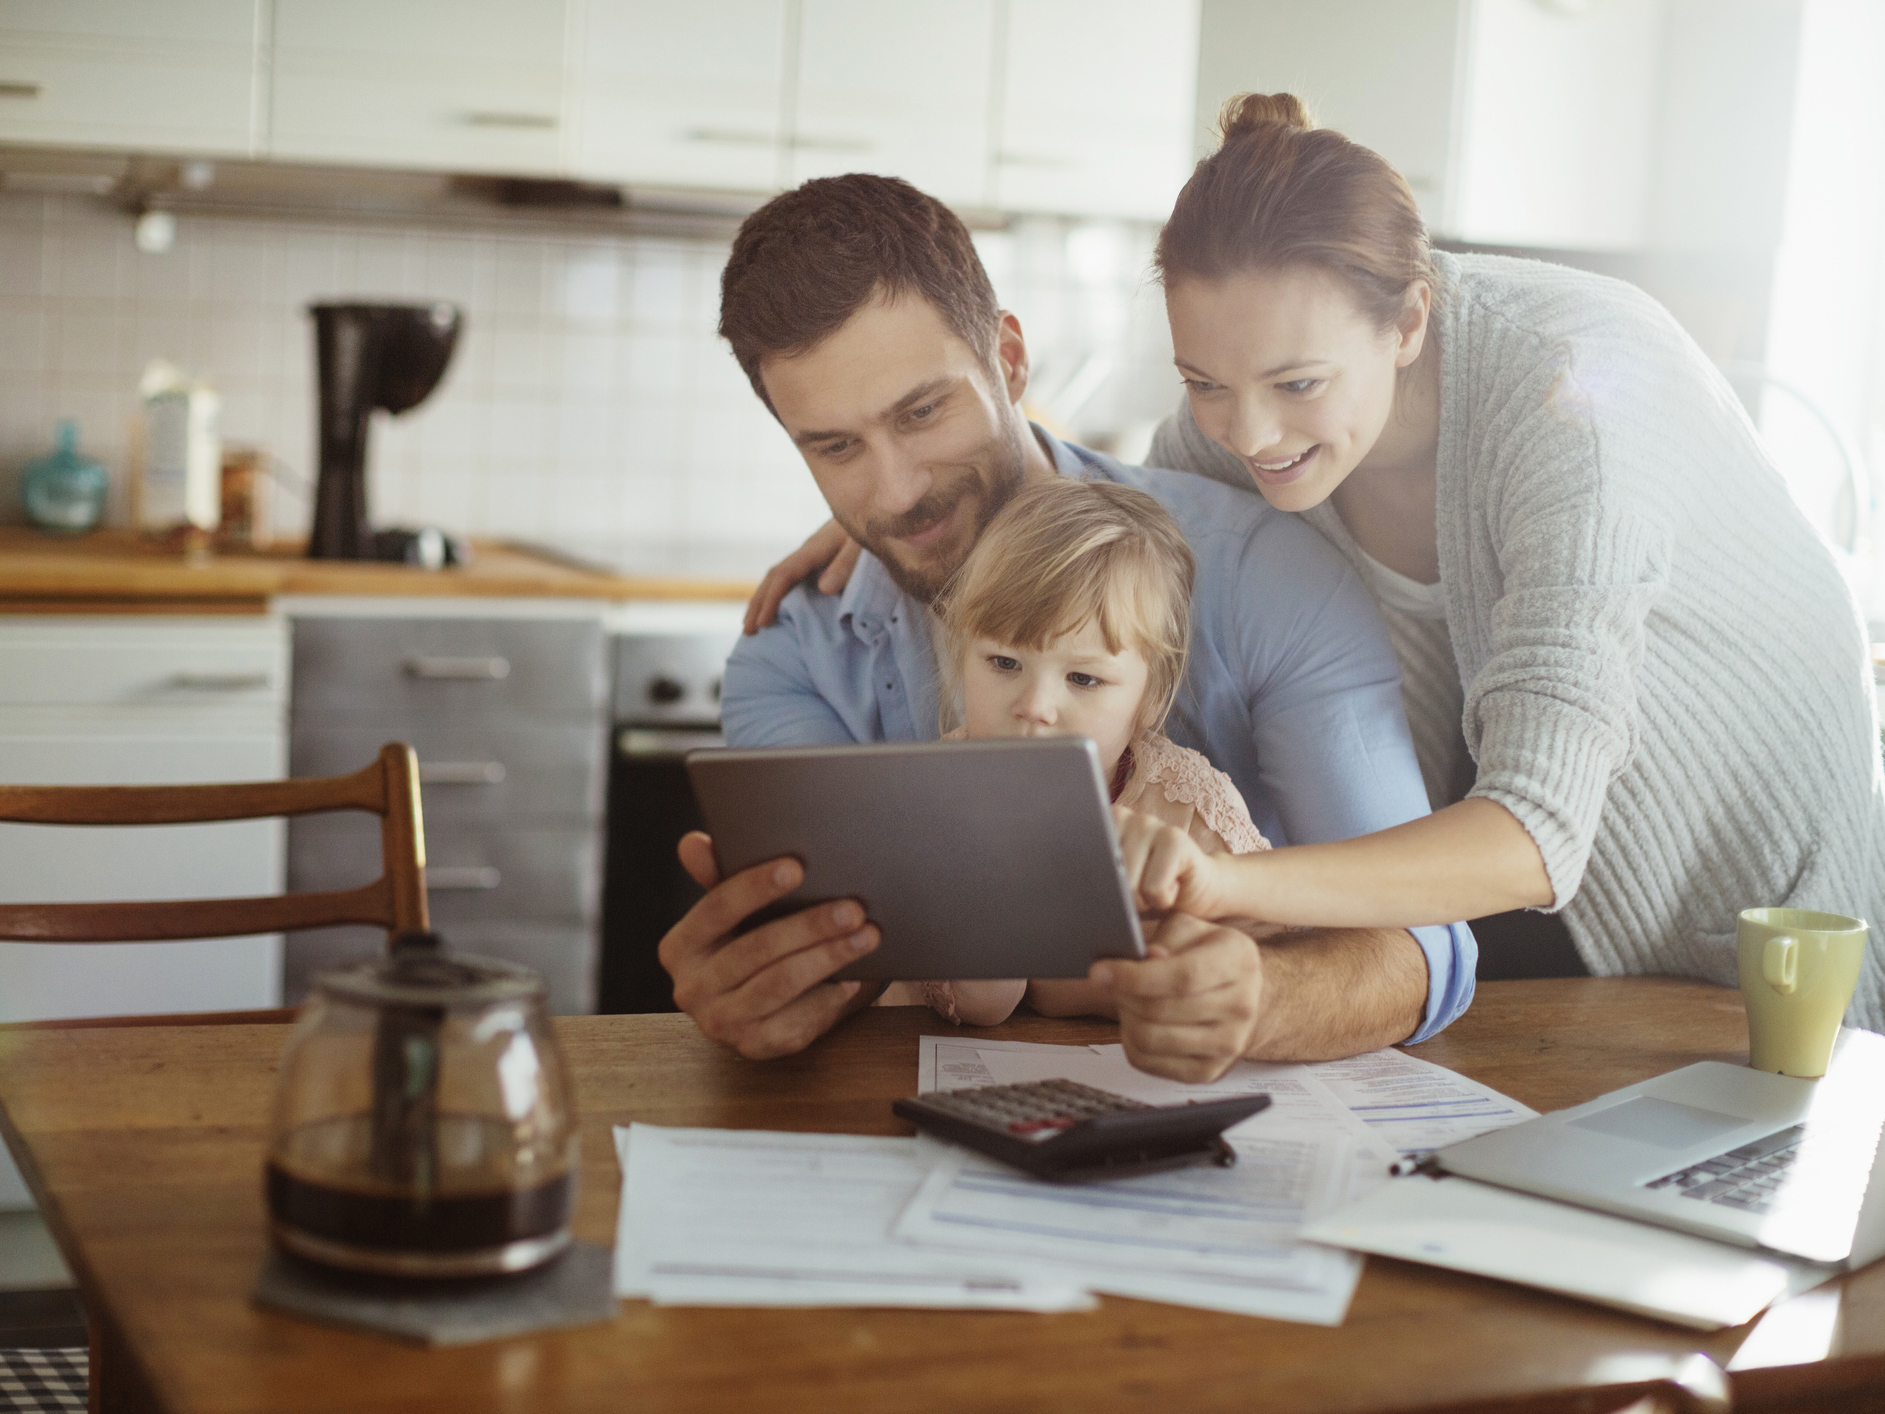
[(975, 858), (1720, 1150)]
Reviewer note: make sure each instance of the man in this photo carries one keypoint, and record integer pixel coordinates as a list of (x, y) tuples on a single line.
[(863, 317)]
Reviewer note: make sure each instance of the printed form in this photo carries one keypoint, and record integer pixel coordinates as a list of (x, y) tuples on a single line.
[(728, 1217)]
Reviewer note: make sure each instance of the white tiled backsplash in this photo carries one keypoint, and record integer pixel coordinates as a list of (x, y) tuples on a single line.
[(590, 404)]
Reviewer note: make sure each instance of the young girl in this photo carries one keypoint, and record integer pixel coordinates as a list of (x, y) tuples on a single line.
[(1071, 617)]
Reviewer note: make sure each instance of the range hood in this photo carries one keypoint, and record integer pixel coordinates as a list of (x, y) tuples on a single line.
[(296, 191)]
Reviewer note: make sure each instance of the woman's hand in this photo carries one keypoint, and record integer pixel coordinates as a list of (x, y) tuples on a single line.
[(829, 549), (1194, 1007), (1165, 868)]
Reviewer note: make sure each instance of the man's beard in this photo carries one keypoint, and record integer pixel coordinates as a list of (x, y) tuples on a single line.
[(996, 480)]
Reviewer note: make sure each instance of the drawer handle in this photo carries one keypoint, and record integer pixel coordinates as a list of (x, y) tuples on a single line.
[(459, 669), (220, 682), (475, 876), (461, 773), (10, 89), (487, 119)]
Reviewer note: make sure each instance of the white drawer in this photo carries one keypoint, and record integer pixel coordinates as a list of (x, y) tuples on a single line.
[(176, 663)]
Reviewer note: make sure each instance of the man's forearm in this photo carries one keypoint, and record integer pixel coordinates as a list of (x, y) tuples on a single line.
[(1336, 992)]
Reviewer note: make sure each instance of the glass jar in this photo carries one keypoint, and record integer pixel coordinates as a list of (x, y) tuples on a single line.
[(424, 1122), (62, 490)]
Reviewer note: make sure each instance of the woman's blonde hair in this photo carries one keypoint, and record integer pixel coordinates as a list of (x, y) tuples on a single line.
[(1063, 552)]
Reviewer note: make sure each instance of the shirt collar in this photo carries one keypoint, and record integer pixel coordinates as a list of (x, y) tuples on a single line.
[(872, 597)]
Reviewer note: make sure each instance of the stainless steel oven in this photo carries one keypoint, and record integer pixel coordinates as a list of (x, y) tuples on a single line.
[(667, 703)]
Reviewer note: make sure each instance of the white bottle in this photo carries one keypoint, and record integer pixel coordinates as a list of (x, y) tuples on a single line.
[(183, 455)]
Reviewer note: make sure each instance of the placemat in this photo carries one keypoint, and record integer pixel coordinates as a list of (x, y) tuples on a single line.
[(574, 1290)]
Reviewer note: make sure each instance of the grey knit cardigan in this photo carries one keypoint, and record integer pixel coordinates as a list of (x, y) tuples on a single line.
[(1649, 655)]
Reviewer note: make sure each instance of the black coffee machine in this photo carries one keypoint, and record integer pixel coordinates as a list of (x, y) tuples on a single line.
[(371, 356)]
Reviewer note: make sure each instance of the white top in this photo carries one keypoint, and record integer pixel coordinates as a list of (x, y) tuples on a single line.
[(1394, 590), (1650, 655)]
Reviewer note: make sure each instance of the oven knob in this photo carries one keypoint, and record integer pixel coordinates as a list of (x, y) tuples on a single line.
[(664, 692)]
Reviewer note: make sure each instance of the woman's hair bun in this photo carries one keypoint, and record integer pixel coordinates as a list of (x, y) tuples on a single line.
[(1248, 112)]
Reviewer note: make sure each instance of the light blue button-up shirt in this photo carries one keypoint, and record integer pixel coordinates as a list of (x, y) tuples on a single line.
[(1292, 688)]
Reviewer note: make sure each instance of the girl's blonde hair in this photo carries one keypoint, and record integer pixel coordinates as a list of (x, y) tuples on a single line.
[(1063, 552)]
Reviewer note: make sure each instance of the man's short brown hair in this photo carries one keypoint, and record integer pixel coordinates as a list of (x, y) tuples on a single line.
[(809, 259)]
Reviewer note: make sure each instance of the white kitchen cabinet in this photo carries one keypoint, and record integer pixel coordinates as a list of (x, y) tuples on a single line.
[(1096, 106), (1382, 72), (139, 701), (681, 95), (454, 85), (154, 76), (896, 87)]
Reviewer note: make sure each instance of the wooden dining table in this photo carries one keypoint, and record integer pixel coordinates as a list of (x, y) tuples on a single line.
[(144, 1146)]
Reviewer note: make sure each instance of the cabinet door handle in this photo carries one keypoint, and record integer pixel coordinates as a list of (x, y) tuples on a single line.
[(459, 669), (833, 144), (540, 122), (1033, 159), (461, 773), (219, 682), (740, 136), (472, 876), (11, 88)]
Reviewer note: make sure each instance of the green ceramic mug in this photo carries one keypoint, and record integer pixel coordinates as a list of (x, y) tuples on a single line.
[(1798, 971)]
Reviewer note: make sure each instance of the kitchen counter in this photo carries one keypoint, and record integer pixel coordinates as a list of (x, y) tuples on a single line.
[(118, 571)]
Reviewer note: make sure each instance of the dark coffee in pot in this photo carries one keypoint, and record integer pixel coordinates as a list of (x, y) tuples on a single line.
[(327, 1201)]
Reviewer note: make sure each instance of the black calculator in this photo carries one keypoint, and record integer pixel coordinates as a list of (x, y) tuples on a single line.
[(1072, 1133)]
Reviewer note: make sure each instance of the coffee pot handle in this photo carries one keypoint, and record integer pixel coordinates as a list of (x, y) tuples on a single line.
[(1780, 963)]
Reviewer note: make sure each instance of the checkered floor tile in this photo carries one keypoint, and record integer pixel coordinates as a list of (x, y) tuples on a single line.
[(43, 1381)]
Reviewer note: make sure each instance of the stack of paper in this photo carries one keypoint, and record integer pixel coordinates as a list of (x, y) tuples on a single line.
[(714, 1217)]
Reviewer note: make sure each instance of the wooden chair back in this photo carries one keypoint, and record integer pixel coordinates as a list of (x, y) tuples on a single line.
[(389, 788)]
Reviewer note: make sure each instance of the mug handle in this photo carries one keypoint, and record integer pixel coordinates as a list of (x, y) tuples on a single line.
[(1780, 964)]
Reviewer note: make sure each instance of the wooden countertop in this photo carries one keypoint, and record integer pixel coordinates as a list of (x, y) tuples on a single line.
[(119, 571)]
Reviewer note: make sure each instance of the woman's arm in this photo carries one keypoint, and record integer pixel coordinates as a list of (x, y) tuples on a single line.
[(1467, 860)]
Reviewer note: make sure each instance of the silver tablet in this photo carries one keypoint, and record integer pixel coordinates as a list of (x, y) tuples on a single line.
[(975, 858)]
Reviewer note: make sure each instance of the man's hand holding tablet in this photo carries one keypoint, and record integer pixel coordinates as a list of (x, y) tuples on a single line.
[(766, 992)]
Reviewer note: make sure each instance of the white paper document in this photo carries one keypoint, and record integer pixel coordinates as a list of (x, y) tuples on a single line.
[(1415, 1106), (1213, 1237), (1475, 1227), (718, 1217), (1410, 1105)]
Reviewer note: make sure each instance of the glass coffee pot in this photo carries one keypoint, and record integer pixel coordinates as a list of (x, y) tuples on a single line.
[(424, 1123)]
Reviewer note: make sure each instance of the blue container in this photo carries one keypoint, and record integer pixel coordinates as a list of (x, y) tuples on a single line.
[(64, 491)]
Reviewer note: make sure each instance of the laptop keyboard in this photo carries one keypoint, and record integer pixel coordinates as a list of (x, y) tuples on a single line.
[(1746, 1178)]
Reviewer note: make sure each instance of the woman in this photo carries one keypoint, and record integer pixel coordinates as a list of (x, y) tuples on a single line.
[(1637, 682)]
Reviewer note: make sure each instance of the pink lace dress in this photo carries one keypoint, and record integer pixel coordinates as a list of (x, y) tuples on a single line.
[(1170, 782)]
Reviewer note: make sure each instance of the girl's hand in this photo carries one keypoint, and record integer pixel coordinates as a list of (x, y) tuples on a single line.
[(829, 549), (1195, 1006), (1165, 868)]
